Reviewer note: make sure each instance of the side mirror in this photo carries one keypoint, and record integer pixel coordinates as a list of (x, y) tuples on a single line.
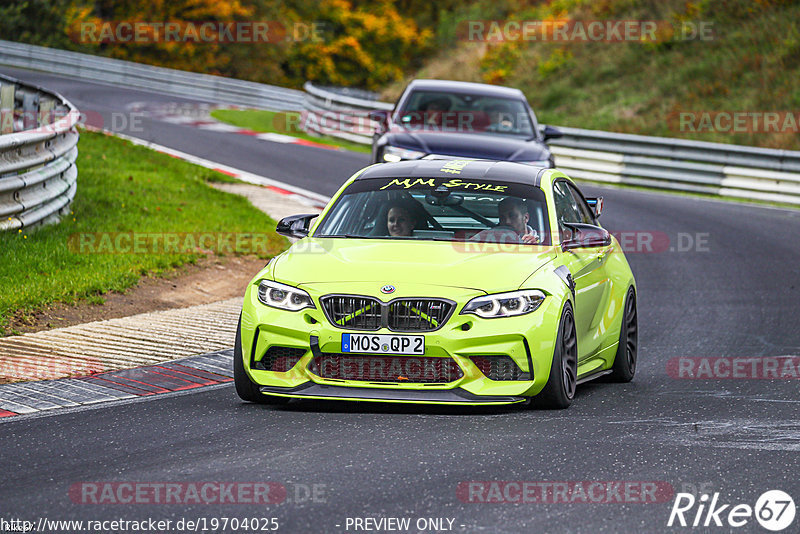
[(596, 203), (586, 236), (379, 115), (295, 225), (550, 132)]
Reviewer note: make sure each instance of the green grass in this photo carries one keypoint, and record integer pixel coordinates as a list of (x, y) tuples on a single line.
[(751, 63), (286, 123), (121, 188)]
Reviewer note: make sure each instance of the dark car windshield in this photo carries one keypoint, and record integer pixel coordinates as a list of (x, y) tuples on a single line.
[(445, 209), (460, 112)]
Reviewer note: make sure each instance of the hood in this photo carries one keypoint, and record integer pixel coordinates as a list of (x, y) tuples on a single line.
[(383, 261), (471, 145)]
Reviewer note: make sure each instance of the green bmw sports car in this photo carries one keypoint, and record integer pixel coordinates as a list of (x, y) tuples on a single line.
[(441, 282)]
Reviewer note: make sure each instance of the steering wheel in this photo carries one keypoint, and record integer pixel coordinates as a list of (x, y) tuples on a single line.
[(500, 234)]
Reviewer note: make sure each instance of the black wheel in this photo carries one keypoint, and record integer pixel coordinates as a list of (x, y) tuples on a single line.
[(245, 388), (625, 361), (560, 388)]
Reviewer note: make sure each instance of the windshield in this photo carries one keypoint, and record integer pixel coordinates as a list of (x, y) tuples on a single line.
[(440, 111), (441, 209)]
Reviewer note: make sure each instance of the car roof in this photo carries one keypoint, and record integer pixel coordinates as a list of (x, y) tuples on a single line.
[(499, 171), (465, 87)]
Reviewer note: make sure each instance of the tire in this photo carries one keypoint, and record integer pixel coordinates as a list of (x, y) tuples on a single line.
[(560, 388), (245, 388), (625, 361)]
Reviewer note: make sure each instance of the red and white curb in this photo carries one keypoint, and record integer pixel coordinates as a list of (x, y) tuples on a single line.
[(25, 398), (200, 117)]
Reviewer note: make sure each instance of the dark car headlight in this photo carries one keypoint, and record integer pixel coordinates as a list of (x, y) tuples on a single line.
[(505, 304), (284, 297), (392, 154)]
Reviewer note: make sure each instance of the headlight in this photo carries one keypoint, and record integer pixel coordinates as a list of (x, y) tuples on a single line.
[(393, 153), (284, 297), (505, 304)]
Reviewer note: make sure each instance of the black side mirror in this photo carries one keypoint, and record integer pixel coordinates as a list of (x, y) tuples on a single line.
[(586, 236), (379, 115), (551, 132), (596, 203), (295, 225)]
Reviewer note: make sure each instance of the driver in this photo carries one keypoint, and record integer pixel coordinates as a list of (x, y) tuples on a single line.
[(514, 214), (500, 118)]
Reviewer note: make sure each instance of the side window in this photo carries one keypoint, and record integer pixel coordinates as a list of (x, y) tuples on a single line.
[(585, 212), (566, 208)]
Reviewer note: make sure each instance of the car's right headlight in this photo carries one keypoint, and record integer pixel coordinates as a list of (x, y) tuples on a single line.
[(392, 154), (285, 297), (505, 304)]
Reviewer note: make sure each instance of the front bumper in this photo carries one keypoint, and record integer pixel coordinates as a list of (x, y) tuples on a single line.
[(528, 340)]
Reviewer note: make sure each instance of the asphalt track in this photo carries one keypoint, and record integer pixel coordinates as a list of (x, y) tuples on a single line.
[(734, 295)]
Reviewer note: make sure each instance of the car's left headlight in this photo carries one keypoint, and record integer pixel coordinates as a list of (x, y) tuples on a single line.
[(392, 154), (505, 304), (285, 297)]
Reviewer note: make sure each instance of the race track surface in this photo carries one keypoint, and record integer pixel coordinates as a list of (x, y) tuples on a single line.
[(733, 292)]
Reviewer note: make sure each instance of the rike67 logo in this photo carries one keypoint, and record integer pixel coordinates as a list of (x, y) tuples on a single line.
[(774, 510)]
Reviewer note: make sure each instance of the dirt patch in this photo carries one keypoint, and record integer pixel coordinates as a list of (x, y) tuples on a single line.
[(211, 279)]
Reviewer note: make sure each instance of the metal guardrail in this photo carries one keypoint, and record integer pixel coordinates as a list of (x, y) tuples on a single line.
[(340, 115), (659, 162), (38, 138), (173, 82), (606, 157)]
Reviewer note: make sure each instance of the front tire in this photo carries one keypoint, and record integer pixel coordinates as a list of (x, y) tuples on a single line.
[(560, 388), (627, 352), (245, 388)]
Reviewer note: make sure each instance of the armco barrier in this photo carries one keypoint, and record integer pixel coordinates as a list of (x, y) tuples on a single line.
[(161, 80), (38, 175), (658, 162)]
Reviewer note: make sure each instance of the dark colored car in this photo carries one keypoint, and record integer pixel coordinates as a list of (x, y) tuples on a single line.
[(436, 119)]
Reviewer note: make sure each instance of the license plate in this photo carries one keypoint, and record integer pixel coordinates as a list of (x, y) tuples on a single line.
[(383, 344)]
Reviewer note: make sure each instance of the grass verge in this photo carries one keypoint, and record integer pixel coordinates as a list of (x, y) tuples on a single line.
[(285, 123), (125, 191)]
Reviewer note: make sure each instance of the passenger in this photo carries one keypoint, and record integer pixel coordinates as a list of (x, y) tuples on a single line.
[(400, 221), (434, 110)]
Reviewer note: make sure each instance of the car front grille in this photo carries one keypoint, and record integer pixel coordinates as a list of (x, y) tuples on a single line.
[(498, 367), (280, 359), (382, 368), (357, 313), (417, 315), (399, 315)]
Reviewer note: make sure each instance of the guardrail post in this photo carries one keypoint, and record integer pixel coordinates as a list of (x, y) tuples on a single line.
[(46, 107), (30, 109), (7, 108)]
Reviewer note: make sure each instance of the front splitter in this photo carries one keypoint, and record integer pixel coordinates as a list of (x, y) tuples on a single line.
[(311, 390)]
